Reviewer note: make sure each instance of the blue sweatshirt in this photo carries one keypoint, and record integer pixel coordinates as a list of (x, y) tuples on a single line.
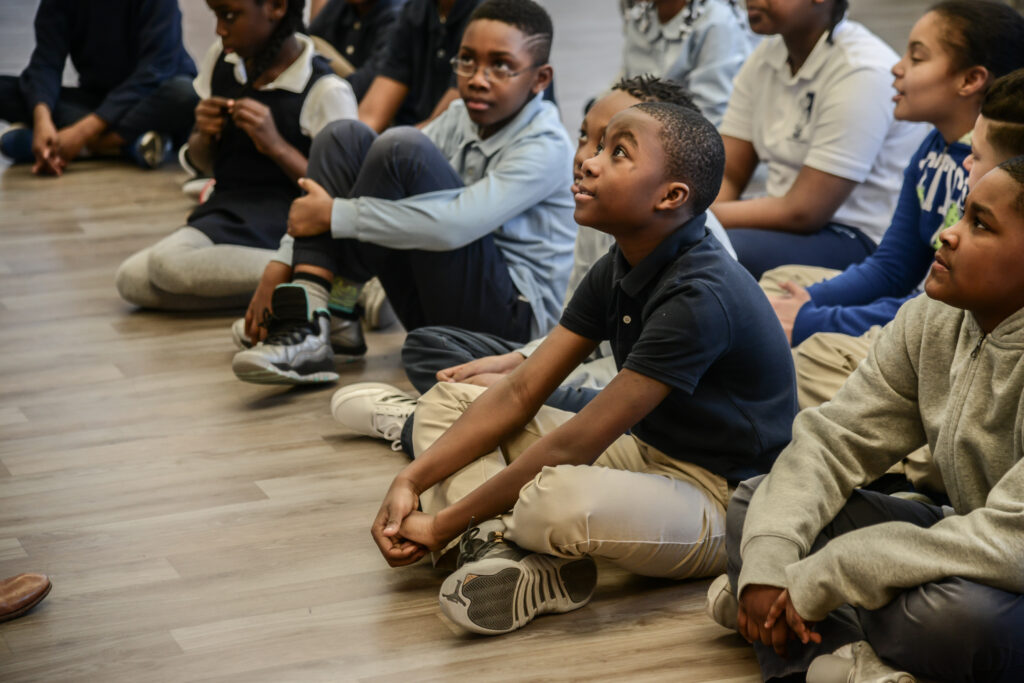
[(122, 49), (869, 293)]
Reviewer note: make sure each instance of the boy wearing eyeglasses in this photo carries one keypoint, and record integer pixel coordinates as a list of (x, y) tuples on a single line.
[(460, 222)]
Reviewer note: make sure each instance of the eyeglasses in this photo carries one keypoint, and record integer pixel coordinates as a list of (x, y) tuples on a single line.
[(498, 73)]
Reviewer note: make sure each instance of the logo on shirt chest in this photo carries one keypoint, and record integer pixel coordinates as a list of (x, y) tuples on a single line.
[(804, 117)]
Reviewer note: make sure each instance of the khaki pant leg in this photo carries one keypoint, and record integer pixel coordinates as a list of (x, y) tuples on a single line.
[(823, 362), (804, 276), (637, 508)]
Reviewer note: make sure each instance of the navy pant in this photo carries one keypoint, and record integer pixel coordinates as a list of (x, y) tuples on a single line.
[(951, 630), (834, 246), (469, 287), (169, 109), (431, 349)]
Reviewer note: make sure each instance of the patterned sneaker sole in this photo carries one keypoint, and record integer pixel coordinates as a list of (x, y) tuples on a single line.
[(497, 596)]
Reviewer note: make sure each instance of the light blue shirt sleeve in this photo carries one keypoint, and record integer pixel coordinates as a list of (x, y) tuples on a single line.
[(449, 219)]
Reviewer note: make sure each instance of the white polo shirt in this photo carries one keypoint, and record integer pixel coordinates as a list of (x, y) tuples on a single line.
[(834, 115)]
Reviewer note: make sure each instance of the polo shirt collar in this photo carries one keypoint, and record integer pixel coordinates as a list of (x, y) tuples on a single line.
[(777, 57), (635, 280), (292, 79), (496, 142)]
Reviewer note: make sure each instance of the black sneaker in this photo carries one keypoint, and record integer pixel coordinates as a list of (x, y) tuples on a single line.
[(297, 349), (499, 587)]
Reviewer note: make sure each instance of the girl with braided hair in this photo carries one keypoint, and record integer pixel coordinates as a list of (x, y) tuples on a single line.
[(263, 96), (814, 102), (700, 44)]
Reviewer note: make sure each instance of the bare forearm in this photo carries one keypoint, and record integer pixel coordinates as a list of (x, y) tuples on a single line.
[(768, 213), (200, 151), (91, 127), (488, 419), (291, 160)]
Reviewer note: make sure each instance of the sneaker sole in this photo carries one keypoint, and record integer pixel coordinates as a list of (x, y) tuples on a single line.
[(721, 604), (497, 596), (249, 371)]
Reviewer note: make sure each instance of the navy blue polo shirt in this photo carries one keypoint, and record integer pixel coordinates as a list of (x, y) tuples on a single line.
[(122, 50), (361, 39), (422, 45), (690, 316)]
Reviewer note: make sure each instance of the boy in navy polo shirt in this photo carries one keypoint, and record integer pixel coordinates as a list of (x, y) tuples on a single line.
[(705, 384)]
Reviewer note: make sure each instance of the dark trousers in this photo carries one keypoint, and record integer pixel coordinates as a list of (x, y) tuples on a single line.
[(169, 109), (951, 630), (834, 246), (431, 349), (468, 287)]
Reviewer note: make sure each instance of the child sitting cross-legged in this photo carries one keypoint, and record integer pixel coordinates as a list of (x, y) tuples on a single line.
[(464, 223), (896, 584), (705, 385)]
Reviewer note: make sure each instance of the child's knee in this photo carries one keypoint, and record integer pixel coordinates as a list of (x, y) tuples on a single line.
[(132, 278), (556, 510), (438, 409), (339, 133)]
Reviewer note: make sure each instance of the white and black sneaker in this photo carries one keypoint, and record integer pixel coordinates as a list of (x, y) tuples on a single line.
[(347, 339), (297, 349), (499, 587)]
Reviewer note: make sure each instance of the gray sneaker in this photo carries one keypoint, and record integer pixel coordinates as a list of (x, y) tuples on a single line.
[(721, 604), (854, 663), (499, 587), (347, 339), (297, 349)]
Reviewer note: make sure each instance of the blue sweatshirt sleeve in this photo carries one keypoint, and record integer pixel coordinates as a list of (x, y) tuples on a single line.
[(851, 320), (900, 261), (160, 56), (40, 81)]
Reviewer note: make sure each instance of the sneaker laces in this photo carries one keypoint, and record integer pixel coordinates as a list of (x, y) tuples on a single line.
[(390, 414), (283, 331), (472, 548)]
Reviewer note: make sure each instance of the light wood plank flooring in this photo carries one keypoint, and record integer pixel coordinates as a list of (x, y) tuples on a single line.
[(198, 528)]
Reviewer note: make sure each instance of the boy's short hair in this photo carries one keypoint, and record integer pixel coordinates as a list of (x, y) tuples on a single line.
[(694, 152), (647, 88), (1015, 167), (528, 17), (1003, 106)]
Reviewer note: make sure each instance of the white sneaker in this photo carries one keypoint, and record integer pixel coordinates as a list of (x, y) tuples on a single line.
[(499, 587), (854, 663), (374, 409), (376, 309), (721, 604)]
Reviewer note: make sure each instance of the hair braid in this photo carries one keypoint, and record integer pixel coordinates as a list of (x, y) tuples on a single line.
[(290, 24)]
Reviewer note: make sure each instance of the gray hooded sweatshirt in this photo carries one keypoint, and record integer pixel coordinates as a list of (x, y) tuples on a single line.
[(932, 377)]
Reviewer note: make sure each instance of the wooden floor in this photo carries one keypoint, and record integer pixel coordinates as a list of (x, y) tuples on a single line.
[(198, 528)]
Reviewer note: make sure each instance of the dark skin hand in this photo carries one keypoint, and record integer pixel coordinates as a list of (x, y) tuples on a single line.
[(757, 619), (256, 120)]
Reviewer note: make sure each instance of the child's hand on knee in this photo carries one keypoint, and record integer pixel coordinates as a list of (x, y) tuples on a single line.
[(482, 371), (310, 215), (788, 306)]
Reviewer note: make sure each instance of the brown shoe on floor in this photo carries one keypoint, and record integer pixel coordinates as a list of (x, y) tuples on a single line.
[(21, 593)]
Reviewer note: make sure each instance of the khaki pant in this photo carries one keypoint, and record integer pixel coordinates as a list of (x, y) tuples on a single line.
[(637, 507)]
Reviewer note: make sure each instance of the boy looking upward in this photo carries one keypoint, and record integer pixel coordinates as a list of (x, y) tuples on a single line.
[(705, 383), (461, 222), (931, 591)]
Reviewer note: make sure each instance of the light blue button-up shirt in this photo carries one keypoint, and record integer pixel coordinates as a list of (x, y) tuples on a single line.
[(701, 48), (516, 188)]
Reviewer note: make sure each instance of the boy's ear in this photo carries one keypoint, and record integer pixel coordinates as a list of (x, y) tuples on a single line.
[(676, 195), (974, 81), (542, 79)]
